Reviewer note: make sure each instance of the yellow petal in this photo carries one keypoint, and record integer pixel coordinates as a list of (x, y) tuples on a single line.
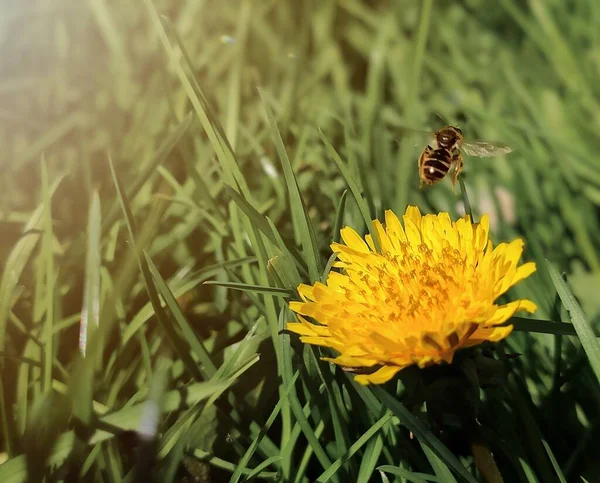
[(384, 239), (347, 253), (306, 328), (413, 213), (394, 229), (306, 292), (322, 292), (413, 232), (446, 231), (505, 312), (299, 328), (380, 376), (297, 306), (523, 272), (514, 251), (320, 341), (353, 240), (492, 334), (448, 356), (349, 361), (481, 232)]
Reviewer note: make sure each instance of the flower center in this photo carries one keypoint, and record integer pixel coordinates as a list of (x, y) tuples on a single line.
[(400, 291)]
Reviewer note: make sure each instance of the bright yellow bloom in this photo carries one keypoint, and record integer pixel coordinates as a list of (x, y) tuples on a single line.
[(429, 292)]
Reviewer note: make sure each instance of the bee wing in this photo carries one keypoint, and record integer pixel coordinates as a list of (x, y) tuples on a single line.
[(415, 137), (421, 136), (483, 149)]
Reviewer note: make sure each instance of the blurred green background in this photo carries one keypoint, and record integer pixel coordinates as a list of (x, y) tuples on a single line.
[(218, 116)]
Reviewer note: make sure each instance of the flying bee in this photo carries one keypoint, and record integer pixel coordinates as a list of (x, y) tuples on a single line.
[(445, 153)]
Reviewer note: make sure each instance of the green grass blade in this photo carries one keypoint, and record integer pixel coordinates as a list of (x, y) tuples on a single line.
[(48, 257), (337, 410), (339, 217), (234, 95), (258, 220), (158, 158), (423, 433), (90, 313), (410, 100), (81, 392), (555, 465), (228, 466), (258, 471), (360, 201), (49, 415), (291, 261), (147, 311), (529, 431), (199, 101), (358, 444), (441, 470), (149, 422), (126, 419), (297, 205), (56, 133), (370, 458), (280, 292), (542, 326), (241, 467), (586, 335), (408, 475), (465, 198), (165, 322), (296, 407), (265, 226), (189, 335)]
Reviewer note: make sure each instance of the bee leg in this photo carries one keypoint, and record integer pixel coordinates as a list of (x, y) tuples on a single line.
[(454, 175), (457, 161)]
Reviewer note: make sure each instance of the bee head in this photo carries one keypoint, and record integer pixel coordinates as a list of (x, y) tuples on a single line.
[(448, 136)]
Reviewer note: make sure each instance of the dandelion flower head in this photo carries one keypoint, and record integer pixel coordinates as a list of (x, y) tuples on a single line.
[(429, 291)]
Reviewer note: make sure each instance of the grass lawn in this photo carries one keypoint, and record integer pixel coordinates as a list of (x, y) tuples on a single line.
[(173, 170)]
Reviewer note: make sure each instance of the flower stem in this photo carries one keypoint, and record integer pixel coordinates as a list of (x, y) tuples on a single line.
[(485, 463), (463, 192)]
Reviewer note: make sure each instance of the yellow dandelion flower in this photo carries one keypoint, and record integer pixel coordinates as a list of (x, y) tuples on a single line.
[(430, 291)]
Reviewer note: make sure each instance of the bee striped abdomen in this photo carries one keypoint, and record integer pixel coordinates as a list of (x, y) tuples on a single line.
[(435, 164)]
